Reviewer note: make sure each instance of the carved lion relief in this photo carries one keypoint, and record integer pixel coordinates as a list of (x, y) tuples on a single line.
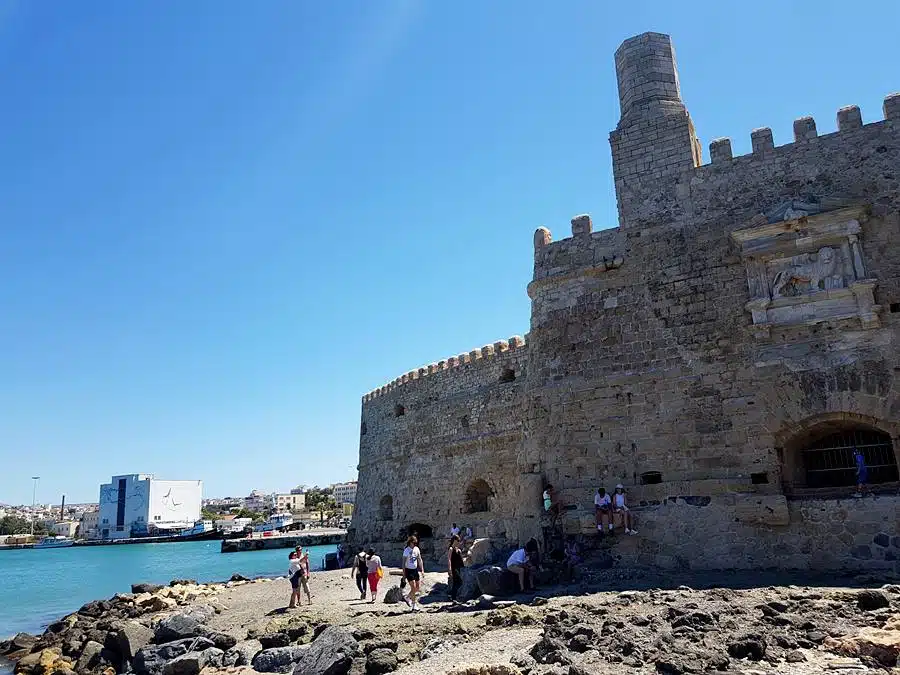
[(807, 269)]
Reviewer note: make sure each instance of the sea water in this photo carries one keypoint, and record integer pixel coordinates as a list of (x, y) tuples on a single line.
[(38, 586)]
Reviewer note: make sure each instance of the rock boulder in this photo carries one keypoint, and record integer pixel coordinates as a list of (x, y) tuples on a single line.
[(132, 636), (242, 653), (497, 581), (278, 659), (331, 653)]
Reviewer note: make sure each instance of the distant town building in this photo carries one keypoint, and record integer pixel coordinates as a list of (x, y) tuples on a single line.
[(231, 524), (344, 493), (290, 502), (258, 501), (139, 504), (90, 525), (65, 528), (299, 490)]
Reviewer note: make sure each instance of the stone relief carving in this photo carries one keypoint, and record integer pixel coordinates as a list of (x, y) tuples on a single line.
[(808, 273), (807, 269)]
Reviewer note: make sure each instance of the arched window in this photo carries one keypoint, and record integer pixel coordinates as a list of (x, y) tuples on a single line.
[(478, 497), (824, 456), (386, 508)]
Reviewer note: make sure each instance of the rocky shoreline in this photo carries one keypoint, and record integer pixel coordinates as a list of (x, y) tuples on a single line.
[(583, 628)]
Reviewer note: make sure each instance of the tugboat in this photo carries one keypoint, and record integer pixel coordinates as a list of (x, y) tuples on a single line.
[(55, 542), (202, 530)]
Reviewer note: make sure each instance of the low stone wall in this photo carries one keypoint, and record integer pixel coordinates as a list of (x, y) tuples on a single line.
[(754, 531)]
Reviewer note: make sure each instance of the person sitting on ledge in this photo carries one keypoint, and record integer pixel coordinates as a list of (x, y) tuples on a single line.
[(603, 511), (619, 506)]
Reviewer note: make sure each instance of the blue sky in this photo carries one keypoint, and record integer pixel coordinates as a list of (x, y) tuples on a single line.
[(222, 223)]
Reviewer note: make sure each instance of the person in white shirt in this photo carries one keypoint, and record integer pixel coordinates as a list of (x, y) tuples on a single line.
[(413, 569), (518, 565), (298, 573), (619, 506), (603, 511), (454, 531)]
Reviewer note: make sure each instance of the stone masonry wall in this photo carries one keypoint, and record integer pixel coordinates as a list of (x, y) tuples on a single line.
[(461, 422), (741, 309)]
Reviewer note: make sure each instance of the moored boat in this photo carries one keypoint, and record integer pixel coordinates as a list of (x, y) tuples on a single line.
[(54, 542)]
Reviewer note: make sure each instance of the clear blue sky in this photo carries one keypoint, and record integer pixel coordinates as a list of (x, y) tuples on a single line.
[(222, 223)]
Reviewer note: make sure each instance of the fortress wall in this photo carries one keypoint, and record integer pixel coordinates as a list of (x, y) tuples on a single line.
[(645, 356), (460, 423)]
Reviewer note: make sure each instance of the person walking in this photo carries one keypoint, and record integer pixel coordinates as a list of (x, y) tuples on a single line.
[(455, 565), (413, 569), (375, 571), (361, 572)]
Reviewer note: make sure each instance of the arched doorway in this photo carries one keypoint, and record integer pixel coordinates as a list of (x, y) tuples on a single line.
[(478, 497), (821, 456)]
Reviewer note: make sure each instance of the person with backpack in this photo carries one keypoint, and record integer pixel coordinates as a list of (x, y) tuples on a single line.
[(361, 572)]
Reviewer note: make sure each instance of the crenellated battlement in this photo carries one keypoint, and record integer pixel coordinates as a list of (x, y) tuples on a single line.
[(488, 354), (849, 119)]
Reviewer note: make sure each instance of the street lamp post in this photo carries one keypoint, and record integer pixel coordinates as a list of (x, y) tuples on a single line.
[(33, 498)]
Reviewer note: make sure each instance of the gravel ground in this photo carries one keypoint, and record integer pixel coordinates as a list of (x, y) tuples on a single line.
[(584, 629)]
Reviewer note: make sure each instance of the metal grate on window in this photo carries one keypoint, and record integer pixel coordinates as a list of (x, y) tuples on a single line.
[(829, 461)]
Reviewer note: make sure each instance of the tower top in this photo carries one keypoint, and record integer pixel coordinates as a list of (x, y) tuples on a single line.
[(646, 71)]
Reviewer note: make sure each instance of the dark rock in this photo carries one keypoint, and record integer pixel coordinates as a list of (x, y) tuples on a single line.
[(694, 620), (497, 581), (331, 653), (145, 588), (151, 659), (319, 629), (89, 658), (815, 636), (183, 582), (580, 644), (485, 602), (378, 644), (95, 608), (795, 656), (381, 661), (547, 650), (132, 636), (188, 623), (469, 589), (238, 577), (242, 653), (670, 664), (537, 601), (751, 647), (393, 596), (193, 662), (222, 641), (270, 640), (361, 634), (870, 599), (296, 631), (882, 540), (278, 659)]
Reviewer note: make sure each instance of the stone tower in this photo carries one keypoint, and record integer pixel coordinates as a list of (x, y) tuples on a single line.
[(655, 136)]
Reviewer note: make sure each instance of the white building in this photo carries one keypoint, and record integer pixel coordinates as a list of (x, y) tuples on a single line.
[(344, 493), (139, 504), (66, 528), (290, 502), (90, 525)]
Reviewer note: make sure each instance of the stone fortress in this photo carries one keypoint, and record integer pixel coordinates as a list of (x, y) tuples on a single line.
[(720, 353)]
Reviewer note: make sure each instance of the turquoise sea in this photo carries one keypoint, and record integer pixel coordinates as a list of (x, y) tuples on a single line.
[(40, 586)]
